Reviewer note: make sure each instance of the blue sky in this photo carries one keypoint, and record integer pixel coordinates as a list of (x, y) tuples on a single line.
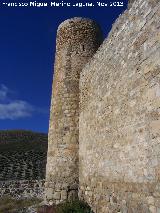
[(27, 41)]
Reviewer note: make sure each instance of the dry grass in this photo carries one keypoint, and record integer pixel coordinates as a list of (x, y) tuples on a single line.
[(10, 205), (67, 207)]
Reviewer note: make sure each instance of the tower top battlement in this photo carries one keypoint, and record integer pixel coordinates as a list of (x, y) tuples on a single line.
[(77, 30), (74, 21)]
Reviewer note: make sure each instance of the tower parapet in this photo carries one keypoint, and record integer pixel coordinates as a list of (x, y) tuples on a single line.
[(77, 40)]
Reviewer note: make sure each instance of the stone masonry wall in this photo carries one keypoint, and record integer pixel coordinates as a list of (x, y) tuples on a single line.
[(119, 124), (77, 41), (130, 2), (20, 189)]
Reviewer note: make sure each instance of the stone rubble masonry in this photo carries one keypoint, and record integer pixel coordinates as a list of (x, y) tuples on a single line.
[(77, 41), (130, 2), (119, 123), (21, 189), (116, 126)]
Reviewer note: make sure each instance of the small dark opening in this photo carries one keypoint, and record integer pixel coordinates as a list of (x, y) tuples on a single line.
[(83, 48)]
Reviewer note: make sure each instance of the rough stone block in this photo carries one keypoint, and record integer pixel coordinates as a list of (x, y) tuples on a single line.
[(63, 195), (57, 195)]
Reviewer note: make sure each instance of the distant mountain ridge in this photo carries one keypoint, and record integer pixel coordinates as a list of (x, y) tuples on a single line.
[(21, 136)]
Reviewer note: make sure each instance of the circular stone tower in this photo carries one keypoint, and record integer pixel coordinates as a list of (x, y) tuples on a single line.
[(130, 2), (77, 41)]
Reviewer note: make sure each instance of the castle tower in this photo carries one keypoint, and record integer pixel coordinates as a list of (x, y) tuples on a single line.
[(130, 2), (77, 41)]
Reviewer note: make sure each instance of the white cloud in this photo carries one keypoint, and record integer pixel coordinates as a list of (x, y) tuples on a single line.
[(15, 109), (3, 92)]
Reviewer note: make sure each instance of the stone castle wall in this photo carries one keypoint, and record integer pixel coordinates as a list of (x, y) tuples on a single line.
[(109, 145), (77, 41), (119, 124)]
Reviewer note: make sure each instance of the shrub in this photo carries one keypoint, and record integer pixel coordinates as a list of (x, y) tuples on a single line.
[(76, 206), (66, 207)]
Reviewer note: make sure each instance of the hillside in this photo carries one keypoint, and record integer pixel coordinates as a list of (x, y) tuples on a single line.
[(8, 136), (22, 155)]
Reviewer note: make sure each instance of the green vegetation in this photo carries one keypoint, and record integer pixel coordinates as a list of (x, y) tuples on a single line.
[(8, 136), (20, 140), (74, 207), (10, 205)]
